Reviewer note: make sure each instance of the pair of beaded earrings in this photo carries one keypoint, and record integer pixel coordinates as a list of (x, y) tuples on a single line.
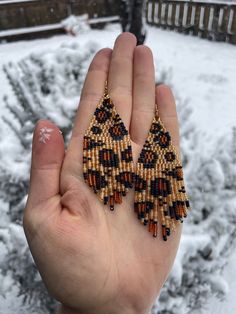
[(158, 178)]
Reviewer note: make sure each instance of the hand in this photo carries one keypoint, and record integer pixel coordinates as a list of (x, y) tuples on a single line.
[(92, 260)]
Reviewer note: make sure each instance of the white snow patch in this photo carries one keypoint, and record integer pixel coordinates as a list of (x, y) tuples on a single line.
[(32, 29), (228, 304), (76, 24)]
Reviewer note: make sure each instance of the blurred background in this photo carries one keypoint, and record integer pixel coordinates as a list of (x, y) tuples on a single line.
[(45, 49)]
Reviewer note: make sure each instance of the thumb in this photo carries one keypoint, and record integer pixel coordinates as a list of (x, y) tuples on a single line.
[(47, 158)]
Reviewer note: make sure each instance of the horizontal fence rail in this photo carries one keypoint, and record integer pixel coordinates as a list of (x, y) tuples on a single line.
[(214, 21), (22, 14), (31, 19)]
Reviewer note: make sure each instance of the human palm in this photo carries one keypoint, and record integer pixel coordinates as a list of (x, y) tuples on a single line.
[(93, 260)]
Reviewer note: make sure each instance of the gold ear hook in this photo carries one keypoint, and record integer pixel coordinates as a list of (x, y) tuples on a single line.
[(156, 111), (106, 89)]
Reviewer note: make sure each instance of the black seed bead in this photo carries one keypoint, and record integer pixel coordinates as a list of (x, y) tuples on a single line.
[(171, 210), (106, 199)]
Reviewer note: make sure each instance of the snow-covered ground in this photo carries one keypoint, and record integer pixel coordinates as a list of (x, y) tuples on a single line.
[(202, 72)]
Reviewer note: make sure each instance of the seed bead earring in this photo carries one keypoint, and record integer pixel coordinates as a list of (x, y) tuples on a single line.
[(107, 154), (159, 185)]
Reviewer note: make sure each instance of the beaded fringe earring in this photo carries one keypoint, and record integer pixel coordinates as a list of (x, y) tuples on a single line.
[(107, 154), (159, 185)]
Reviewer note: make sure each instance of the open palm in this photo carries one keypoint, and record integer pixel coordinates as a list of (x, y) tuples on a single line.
[(91, 259)]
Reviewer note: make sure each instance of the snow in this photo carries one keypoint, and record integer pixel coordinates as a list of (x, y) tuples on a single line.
[(72, 21), (113, 18), (187, 249), (76, 24), (228, 305), (25, 30), (201, 72)]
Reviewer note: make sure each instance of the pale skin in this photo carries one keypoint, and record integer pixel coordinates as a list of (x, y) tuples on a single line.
[(92, 260)]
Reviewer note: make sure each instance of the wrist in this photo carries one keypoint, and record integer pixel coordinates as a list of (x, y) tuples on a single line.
[(66, 310)]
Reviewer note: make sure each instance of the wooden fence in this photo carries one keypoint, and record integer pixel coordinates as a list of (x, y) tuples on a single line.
[(214, 21), (29, 13)]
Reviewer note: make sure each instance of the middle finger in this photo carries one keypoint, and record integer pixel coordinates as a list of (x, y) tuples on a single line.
[(120, 78)]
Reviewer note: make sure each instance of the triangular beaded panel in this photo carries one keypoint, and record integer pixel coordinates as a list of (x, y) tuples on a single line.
[(159, 185), (107, 155)]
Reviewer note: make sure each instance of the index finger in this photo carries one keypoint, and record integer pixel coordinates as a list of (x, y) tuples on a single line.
[(91, 94)]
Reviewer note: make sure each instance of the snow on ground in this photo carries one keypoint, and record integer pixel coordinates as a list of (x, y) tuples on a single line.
[(201, 71)]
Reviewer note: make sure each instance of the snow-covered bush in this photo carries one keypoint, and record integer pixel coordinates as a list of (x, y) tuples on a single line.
[(209, 233), (45, 86)]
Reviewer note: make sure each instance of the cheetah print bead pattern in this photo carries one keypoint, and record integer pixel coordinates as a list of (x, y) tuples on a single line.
[(160, 199), (107, 155), (159, 185)]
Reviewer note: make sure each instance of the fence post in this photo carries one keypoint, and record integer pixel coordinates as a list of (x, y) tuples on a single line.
[(197, 19), (180, 17), (225, 22), (187, 26), (164, 14), (173, 15), (152, 15), (159, 6), (232, 36), (206, 21)]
